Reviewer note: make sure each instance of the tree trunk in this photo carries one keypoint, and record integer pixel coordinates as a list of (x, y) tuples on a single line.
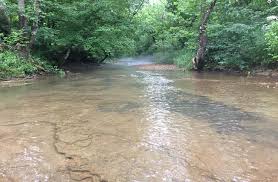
[(21, 14), (35, 25), (141, 4), (4, 20), (105, 57), (23, 49), (67, 55), (199, 59)]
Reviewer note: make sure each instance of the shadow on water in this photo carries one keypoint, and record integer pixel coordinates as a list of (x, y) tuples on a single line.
[(223, 118)]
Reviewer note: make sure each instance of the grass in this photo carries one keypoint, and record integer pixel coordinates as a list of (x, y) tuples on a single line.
[(14, 66), (182, 58)]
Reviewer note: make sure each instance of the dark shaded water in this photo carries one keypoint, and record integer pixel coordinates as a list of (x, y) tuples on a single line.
[(120, 123)]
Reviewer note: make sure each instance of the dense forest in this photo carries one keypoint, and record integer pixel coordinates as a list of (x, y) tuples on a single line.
[(43, 35)]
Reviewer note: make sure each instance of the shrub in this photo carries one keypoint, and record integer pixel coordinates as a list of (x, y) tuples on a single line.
[(272, 41), (165, 57), (11, 65), (236, 46), (184, 59)]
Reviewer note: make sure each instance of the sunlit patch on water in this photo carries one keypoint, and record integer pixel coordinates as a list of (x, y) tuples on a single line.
[(165, 99)]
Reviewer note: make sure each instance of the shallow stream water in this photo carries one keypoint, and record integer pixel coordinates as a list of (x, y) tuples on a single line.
[(119, 123)]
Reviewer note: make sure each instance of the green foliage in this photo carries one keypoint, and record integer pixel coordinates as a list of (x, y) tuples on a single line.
[(16, 38), (184, 59), (67, 31), (272, 41), (236, 46), (237, 38), (165, 57), (93, 29), (169, 30), (11, 65), (62, 31), (4, 19)]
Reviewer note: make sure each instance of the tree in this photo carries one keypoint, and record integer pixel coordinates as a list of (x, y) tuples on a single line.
[(235, 36), (35, 26), (199, 59), (4, 20), (21, 14)]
